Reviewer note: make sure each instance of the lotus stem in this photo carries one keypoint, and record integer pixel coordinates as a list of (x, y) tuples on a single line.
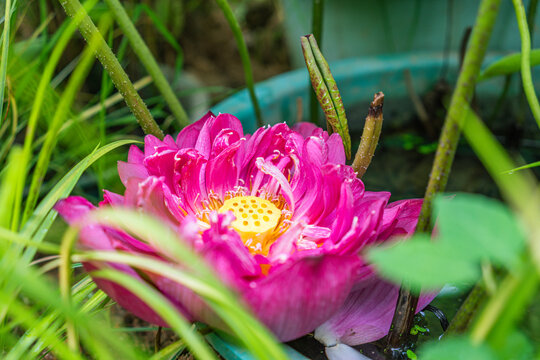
[(325, 87), (463, 318), (150, 64), (526, 76), (370, 135), (244, 56), (487, 14), (316, 28), (110, 63)]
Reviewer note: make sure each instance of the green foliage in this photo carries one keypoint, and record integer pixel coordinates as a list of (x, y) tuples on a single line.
[(456, 348), (507, 65), (471, 229), (424, 264), (479, 228)]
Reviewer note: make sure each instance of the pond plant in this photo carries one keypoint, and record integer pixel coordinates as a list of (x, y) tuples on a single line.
[(251, 239)]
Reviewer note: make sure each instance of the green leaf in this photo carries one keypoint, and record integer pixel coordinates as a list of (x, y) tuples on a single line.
[(508, 65), (455, 348), (479, 228), (516, 346), (423, 263)]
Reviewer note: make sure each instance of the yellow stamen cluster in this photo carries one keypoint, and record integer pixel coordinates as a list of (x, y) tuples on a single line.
[(256, 220)]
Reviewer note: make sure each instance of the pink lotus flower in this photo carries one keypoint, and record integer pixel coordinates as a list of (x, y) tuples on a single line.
[(278, 215)]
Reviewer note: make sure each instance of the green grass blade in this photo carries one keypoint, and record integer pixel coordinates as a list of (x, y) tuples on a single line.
[(202, 280), (39, 97), (528, 166), (164, 308), (8, 185), (170, 38), (4, 56), (61, 114), (99, 339), (42, 218), (148, 60), (244, 57)]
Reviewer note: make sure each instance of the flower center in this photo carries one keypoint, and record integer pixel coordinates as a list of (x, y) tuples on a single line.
[(256, 220)]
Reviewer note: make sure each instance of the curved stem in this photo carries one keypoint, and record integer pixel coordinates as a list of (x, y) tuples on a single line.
[(148, 61), (244, 56), (487, 14), (110, 63), (526, 76)]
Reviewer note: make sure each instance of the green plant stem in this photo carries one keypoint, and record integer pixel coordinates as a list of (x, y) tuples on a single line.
[(526, 75), (370, 135), (446, 150), (467, 310), (118, 76), (506, 306), (316, 30), (4, 57), (145, 56), (244, 56)]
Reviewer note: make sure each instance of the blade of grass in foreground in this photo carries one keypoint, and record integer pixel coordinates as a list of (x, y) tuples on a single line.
[(100, 339), (45, 79), (4, 57), (68, 96), (201, 279), (164, 308), (8, 184), (38, 224)]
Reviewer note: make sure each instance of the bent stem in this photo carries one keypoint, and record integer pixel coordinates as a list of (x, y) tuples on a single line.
[(370, 135), (526, 76), (149, 62), (446, 150), (111, 64), (244, 56)]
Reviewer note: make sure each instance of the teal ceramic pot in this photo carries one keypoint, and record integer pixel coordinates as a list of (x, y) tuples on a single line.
[(359, 28)]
